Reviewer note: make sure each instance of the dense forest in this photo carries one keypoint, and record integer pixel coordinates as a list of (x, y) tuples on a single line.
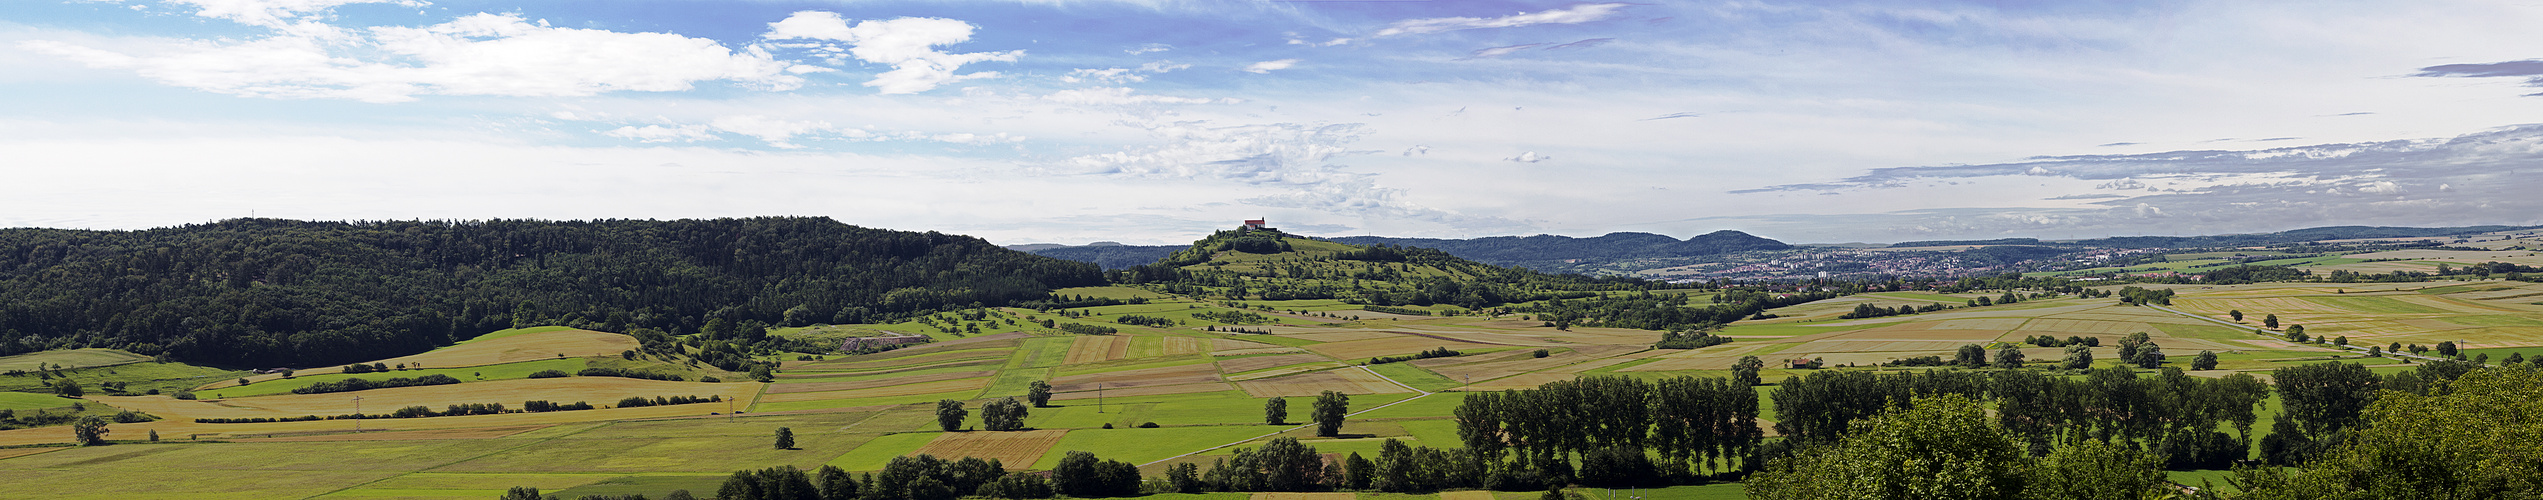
[(280, 292)]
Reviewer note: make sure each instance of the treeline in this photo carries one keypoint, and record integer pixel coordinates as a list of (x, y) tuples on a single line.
[(1689, 340), (926, 477), (11, 419), (1396, 310), (1442, 352), (1650, 311), (277, 292), (1084, 329), (601, 371), (1233, 317), (1147, 321), (462, 409), (1693, 424), (2171, 414), (359, 384)]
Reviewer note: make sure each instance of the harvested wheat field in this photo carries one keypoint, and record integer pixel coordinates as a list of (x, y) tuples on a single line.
[(968, 384), (1016, 450), (1519, 382), (1195, 373), (1241, 365), (1396, 346), (873, 363), (1097, 349), (812, 373), (419, 435), (874, 383), (1347, 381), (1150, 390)]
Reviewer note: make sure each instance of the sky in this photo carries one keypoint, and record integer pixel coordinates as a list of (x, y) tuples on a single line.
[(1157, 121)]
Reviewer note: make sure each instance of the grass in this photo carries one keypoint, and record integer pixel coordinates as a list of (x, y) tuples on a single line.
[(697, 455), (874, 453), (497, 334), (136, 377), (71, 358), (1415, 376), (856, 402), (651, 486), (506, 371), (1140, 446), (26, 401)]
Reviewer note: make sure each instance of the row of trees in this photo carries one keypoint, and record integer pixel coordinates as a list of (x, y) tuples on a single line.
[(1691, 423)]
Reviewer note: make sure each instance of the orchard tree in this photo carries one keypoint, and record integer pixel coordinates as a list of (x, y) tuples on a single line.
[(2205, 361), (2009, 357), (1745, 371), (2237, 314), (2271, 321), (89, 431), (2078, 357), (1005, 414), (1936, 447), (1039, 393), (949, 415), (1276, 411), (785, 438), (1970, 355), (1331, 407)]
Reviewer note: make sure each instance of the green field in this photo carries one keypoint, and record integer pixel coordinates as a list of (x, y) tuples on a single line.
[(506, 371), (25, 401)]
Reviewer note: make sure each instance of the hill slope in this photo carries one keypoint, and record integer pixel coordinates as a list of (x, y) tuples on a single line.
[(1275, 266), (1550, 251), (280, 292)]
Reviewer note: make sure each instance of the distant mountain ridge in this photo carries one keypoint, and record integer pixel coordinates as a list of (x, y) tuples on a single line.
[(2289, 236), (1540, 251)]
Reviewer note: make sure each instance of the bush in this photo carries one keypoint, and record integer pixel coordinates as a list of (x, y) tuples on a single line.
[(614, 372), (549, 374), (1149, 425)]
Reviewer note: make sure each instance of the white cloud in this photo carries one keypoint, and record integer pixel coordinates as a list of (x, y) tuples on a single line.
[(274, 13), (907, 44), (2380, 187), (1270, 66), (658, 133), (481, 54), (1417, 150), (1500, 51), (1576, 14), (1153, 47), (1107, 75), (1120, 96), (773, 131), (1528, 157)]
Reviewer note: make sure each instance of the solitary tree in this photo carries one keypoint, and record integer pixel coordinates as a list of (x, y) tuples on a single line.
[(1039, 393), (1970, 355), (2446, 348), (89, 431), (2205, 361), (2078, 357), (67, 388), (2009, 357), (2237, 314), (1276, 411), (2271, 321), (1745, 371), (1005, 414), (1330, 408), (785, 438), (2149, 357), (949, 414)]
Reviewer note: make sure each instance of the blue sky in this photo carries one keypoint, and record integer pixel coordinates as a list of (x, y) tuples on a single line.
[(1154, 121)]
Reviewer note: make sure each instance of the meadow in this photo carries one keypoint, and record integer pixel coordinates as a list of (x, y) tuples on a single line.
[(1202, 389)]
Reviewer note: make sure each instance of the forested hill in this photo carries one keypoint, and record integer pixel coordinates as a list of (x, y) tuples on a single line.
[(1114, 256), (268, 292), (1546, 251), (1270, 265)]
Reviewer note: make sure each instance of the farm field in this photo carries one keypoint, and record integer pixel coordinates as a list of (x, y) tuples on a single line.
[(1204, 390)]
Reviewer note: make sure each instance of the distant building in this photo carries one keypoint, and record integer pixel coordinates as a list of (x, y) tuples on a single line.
[(1254, 225)]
